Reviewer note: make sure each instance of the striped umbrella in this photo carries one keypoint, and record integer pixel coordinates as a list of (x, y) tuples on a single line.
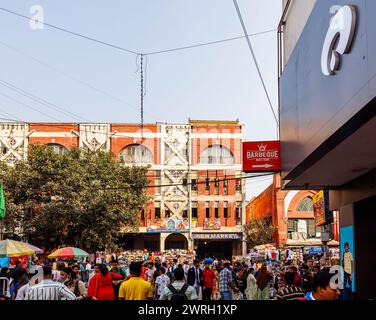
[(68, 252), (13, 248)]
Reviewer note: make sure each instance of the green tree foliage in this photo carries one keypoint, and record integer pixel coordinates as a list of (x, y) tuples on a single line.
[(80, 198), (259, 231)]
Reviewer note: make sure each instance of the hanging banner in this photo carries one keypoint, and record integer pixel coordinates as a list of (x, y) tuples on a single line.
[(321, 208), (174, 224), (261, 156)]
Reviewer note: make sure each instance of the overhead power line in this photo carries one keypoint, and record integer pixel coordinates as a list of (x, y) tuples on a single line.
[(29, 107), (208, 43), (129, 186), (255, 60), (132, 51), (70, 32), (41, 101), (74, 78)]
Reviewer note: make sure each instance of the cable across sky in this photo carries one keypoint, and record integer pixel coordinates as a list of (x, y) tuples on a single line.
[(104, 43)]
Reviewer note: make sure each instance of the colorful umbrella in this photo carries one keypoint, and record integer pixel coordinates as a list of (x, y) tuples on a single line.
[(68, 252), (13, 248)]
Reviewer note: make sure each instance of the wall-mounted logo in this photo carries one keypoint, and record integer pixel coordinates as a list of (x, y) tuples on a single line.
[(339, 39)]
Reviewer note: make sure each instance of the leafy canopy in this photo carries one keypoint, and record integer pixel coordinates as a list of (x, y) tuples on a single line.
[(79, 198)]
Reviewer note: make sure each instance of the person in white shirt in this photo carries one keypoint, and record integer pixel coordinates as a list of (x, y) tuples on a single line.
[(48, 289), (161, 283), (180, 286)]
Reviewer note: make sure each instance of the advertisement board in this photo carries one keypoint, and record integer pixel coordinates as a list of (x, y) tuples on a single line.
[(347, 251), (261, 156), (321, 208), (174, 224), (212, 224)]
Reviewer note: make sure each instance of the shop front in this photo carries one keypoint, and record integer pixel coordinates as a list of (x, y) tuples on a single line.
[(219, 245), (328, 124), (140, 241)]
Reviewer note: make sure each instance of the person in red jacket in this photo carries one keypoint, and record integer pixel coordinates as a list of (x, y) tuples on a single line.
[(298, 277), (209, 277), (100, 286), (143, 272)]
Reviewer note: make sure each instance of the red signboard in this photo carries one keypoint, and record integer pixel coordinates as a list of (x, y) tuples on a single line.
[(262, 156)]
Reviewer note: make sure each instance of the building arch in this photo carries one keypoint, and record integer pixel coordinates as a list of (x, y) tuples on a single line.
[(297, 199), (217, 154), (136, 154), (176, 241), (58, 148)]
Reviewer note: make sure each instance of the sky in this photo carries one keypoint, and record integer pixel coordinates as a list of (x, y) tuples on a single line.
[(100, 83)]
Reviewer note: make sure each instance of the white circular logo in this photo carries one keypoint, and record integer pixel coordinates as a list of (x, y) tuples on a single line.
[(338, 40)]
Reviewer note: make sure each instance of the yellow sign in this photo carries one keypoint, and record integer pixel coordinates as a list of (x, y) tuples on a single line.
[(319, 208)]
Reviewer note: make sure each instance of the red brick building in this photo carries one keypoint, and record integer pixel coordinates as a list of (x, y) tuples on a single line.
[(292, 213), (200, 164)]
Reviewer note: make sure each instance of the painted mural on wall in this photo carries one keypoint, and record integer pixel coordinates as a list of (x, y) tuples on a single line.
[(212, 224), (173, 224)]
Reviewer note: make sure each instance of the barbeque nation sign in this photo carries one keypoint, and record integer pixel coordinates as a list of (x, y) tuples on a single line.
[(262, 156)]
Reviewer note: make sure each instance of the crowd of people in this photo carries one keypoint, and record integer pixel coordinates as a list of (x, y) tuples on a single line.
[(208, 279)]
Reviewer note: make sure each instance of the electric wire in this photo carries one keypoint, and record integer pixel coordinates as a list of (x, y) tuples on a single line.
[(130, 186), (255, 60), (208, 43), (29, 107), (42, 101), (132, 51), (72, 78), (70, 32)]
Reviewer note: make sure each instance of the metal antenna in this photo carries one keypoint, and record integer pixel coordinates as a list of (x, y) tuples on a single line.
[(142, 96)]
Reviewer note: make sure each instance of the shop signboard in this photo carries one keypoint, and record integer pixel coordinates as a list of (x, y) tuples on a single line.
[(321, 208), (261, 156), (313, 251), (217, 236), (174, 224), (212, 224)]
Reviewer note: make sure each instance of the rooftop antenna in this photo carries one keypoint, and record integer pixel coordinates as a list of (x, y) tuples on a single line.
[(142, 97)]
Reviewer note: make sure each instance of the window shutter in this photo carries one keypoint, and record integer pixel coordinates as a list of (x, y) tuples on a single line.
[(290, 225)]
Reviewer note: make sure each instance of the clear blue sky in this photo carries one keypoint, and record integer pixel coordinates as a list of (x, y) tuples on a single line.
[(213, 82)]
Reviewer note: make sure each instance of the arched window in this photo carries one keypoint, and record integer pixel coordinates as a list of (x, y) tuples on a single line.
[(58, 148), (216, 154), (305, 205), (136, 154)]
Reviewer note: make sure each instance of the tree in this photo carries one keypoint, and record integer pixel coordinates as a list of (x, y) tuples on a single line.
[(80, 198), (259, 231)]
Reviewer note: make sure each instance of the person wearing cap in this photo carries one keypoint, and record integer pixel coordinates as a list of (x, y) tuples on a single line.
[(194, 276), (208, 276)]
